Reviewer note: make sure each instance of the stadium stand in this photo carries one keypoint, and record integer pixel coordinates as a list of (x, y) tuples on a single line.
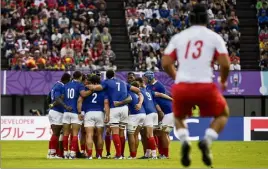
[(262, 15), (151, 25), (56, 35)]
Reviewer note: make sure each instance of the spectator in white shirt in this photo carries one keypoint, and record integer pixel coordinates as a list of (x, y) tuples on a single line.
[(151, 58), (67, 51), (154, 68), (235, 65), (64, 21), (56, 38), (148, 28)]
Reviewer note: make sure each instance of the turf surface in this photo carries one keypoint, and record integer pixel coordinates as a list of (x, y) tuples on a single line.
[(32, 154)]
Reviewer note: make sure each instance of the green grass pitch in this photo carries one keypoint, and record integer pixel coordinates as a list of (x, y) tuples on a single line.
[(32, 154)]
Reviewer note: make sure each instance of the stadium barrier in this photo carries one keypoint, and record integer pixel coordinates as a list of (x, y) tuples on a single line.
[(237, 128), (40, 82)]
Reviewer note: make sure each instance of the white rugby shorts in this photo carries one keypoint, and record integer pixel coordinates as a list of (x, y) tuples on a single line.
[(71, 118), (94, 119), (151, 120), (135, 120), (167, 123), (55, 117), (119, 115)]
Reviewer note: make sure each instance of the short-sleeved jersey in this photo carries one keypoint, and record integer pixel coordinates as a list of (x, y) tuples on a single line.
[(148, 102), (116, 90), (166, 105), (56, 91), (132, 104), (71, 94), (195, 49), (95, 102)]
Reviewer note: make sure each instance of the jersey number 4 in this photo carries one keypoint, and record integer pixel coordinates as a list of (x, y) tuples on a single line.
[(198, 46)]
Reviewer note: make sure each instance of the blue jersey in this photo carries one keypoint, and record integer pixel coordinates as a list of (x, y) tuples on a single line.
[(166, 105), (56, 91), (148, 102), (71, 94), (116, 90), (132, 104), (95, 102)]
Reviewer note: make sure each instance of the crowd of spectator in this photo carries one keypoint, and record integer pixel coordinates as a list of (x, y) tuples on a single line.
[(151, 24), (56, 35), (262, 14)]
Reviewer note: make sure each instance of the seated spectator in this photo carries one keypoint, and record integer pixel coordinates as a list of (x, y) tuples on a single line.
[(110, 66), (19, 65), (106, 36), (67, 50), (233, 20), (264, 62), (81, 66), (154, 68), (149, 59), (235, 65), (263, 20)]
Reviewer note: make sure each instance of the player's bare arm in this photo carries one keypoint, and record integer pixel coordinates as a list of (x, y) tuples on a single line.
[(168, 64), (107, 111), (84, 93), (224, 61), (79, 104), (59, 101), (95, 87), (162, 95), (123, 102), (160, 112), (141, 98)]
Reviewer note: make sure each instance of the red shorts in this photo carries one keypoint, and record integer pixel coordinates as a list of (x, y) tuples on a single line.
[(205, 95)]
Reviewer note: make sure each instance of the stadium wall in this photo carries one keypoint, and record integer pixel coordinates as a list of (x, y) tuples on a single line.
[(237, 128), (22, 90)]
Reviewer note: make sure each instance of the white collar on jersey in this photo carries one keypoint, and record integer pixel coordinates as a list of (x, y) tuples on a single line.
[(154, 82), (60, 82)]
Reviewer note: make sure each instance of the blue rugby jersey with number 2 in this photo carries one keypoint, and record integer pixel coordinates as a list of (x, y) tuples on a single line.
[(56, 91), (116, 90), (71, 94), (95, 102)]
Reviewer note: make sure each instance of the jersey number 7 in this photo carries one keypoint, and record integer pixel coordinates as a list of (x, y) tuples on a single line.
[(198, 46)]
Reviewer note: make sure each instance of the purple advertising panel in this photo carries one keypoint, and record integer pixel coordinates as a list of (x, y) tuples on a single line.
[(40, 82), (2, 81)]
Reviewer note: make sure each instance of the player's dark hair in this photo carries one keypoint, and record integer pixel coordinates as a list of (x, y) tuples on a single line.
[(198, 15), (77, 75), (139, 79), (65, 78), (84, 77), (110, 74), (95, 79), (135, 83), (131, 73)]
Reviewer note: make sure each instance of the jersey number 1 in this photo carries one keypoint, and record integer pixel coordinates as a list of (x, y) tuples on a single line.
[(198, 45)]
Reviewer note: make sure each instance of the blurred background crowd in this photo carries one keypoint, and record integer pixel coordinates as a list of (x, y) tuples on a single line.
[(262, 15), (152, 24), (56, 35)]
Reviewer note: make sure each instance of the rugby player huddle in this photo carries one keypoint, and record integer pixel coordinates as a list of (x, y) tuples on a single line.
[(87, 105)]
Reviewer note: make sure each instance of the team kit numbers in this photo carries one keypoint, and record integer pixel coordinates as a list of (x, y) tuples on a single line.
[(95, 95), (197, 45), (118, 86), (70, 93), (149, 96)]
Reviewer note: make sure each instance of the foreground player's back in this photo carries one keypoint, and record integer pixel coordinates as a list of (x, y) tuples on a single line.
[(195, 49)]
